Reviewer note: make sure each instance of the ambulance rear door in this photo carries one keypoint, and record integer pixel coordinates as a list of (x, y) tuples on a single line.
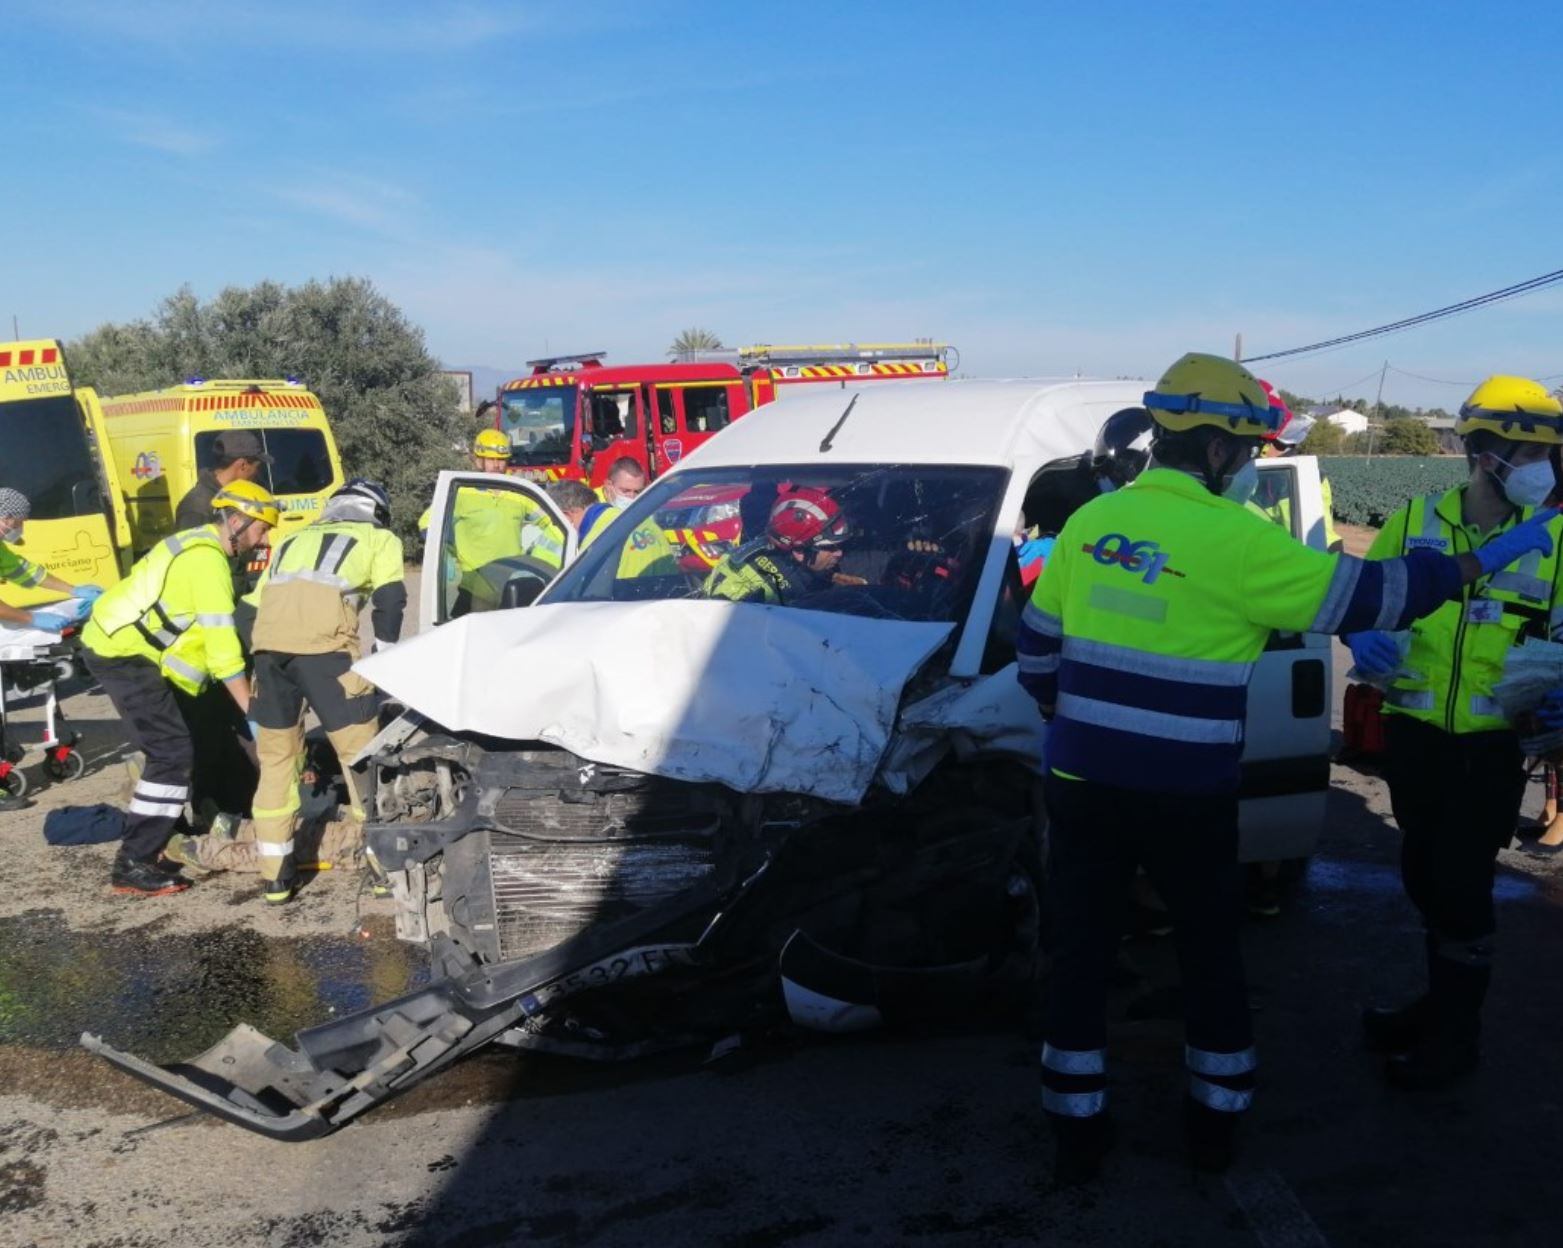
[(487, 546), (1286, 760)]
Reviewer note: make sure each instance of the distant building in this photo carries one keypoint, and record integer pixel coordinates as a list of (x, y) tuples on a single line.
[(1347, 420), (1448, 443), (463, 379)]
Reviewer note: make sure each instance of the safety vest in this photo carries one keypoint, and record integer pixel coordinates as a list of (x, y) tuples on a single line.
[(176, 609), (1158, 599), (645, 552), (1457, 654), (19, 571), (318, 581), (756, 573)]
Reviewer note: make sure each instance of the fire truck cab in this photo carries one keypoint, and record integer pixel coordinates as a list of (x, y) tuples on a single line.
[(575, 416)]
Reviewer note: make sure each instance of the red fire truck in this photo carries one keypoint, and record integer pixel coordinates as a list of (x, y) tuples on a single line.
[(574, 416)]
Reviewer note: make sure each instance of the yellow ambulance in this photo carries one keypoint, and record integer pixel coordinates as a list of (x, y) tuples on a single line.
[(77, 529), (163, 439)]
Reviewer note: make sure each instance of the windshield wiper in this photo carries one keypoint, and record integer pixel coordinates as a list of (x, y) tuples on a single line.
[(836, 428)]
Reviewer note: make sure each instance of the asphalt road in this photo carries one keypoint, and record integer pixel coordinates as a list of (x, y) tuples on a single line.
[(933, 1138)]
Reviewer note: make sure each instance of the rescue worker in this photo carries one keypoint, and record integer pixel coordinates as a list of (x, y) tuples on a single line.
[(169, 626), (306, 642), (1288, 440), (645, 550), (1062, 487), (1138, 645), (237, 456), (1455, 771), (485, 547), (799, 554), (15, 508), (625, 482)]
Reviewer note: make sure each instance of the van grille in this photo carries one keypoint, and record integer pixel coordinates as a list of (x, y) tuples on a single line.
[(546, 891)]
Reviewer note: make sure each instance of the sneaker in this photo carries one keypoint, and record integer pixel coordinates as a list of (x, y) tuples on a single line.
[(144, 879), (180, 852)]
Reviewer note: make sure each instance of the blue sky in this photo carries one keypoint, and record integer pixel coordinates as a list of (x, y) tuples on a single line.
[(1052, 187)]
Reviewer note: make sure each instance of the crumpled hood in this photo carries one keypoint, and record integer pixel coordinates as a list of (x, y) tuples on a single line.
[(762, 699)]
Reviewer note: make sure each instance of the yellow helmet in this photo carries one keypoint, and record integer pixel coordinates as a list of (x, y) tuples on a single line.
[(248, 499), (1515, 408), (491, 444), (1209, 390)]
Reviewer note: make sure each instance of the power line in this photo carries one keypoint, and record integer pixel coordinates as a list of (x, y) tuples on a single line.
[(1437, 314), (1441, 381)]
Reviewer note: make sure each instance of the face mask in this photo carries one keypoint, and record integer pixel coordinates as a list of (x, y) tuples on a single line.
[(1240, 486), (1527, 485), (620, 501)]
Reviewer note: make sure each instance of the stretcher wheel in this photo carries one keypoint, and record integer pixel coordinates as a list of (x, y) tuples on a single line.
[(14, 782), (69, 767)]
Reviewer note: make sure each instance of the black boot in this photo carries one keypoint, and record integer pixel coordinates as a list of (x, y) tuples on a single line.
[(1394, 1029), (279, 892), (1447, 1051), (1081, 1144), (1211, 1135), (1436, 1062), (144, 879)]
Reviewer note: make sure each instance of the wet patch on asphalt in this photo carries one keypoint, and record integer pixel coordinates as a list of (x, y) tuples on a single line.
[(168, 997)]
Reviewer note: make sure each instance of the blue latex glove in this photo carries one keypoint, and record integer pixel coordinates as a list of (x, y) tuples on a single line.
[(253, 728), (90, 593), (51, 621), (1374, 653), (1516, 543), (80, 609), (1550, 712)]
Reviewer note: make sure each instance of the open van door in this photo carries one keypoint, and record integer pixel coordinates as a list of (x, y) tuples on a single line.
[(1286, 760), (493, 543)]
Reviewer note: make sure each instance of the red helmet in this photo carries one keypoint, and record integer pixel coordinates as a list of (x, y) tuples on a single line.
[(805, 517), (1277, 404)]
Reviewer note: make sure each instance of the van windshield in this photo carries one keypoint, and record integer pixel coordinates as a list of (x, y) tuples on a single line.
[(887, 541), (301, 464), (539, 423), (47, 457)]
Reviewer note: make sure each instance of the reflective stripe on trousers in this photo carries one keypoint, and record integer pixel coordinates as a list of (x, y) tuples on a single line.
[(1074, 1081)]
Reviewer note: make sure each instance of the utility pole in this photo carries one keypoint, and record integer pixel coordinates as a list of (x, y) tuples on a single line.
[(16, 333), (1378, 405), (1237, 347)]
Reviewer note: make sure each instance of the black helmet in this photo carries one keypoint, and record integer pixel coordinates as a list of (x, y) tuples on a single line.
[(370, 492), (1122, 446)]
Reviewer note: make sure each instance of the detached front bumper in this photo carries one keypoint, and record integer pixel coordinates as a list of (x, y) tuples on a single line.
[(342, 1068), (338, 1071)]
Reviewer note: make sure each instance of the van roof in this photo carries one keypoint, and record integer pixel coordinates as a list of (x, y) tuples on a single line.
[(1013, 424), (201, 395)]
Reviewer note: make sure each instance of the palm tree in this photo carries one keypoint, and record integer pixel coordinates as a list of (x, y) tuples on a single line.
[(690, 341)]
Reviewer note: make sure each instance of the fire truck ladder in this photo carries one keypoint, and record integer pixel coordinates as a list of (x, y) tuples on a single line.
[(849, 359)]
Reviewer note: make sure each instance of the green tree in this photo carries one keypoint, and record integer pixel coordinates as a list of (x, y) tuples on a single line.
[(395, 417), (1325, 438), (1408, 437), (692, 340)]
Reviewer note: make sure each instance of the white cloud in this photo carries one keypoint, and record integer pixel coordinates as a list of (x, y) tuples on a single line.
[(367, 203), (159, 133), (364, 26)]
